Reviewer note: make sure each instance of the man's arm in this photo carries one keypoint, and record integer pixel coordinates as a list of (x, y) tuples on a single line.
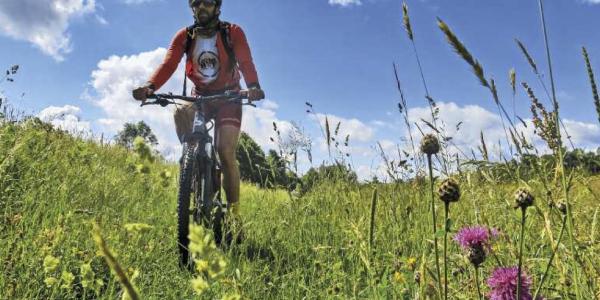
[(244, 56), (171, 61)]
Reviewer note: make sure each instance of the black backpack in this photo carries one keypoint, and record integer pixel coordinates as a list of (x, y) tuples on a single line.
[(224, 28)]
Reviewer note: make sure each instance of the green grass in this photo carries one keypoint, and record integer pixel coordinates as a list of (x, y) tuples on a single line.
[(53, 186)]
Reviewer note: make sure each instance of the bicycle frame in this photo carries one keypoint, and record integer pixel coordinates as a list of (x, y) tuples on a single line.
[(207, 162)]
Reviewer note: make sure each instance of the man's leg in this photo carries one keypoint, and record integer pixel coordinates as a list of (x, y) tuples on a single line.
[(227, 144)]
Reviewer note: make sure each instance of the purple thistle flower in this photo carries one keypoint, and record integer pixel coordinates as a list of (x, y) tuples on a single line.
[(503, 283), (469, 237)]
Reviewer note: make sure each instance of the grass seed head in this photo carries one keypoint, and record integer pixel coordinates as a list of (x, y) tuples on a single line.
[(406, 21)]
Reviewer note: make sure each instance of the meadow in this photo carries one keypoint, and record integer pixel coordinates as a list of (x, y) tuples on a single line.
[(83, 219), (318, 246)]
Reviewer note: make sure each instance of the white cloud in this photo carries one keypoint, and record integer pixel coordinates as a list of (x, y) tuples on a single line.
[(345, 3), (66, 118), (584, 135), (476, 119), (357, 130), (43, 23), (116, 76), (134, 2), (592, 1)]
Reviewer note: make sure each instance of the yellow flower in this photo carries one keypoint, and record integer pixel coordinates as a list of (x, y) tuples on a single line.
[(50, 281), (50, 263), (137, 227), (67, 279), (199, 285), (399, 278), (201, 265), (411, 262), (232, 297)]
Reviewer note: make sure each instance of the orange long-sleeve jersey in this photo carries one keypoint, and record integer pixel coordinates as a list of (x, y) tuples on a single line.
[(227, 77)]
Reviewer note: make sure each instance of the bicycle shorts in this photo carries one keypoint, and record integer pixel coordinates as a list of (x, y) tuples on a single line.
[(224, 114)]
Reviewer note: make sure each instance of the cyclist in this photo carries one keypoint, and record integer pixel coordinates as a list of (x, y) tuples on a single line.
[(209, 45)]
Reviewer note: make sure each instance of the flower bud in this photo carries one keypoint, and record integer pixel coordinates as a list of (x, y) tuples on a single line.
[(523, 198), (449, 191), (430, 144)]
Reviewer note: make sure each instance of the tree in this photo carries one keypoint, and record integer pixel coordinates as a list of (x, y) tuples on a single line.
[(130, 131), (252, 162), (277, 168), (327, 173)]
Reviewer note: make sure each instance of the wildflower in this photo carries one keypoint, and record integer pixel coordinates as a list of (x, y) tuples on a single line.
[(50, 263), (503, 283), (67, 278), (449, 191), (199, 285), (399, 278), (411, 263), (523, 198), (430, 144), (87, 274), (232, 297), (50, 281), (137, 228), (469, 237)]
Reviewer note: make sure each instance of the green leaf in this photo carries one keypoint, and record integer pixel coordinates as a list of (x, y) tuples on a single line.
[(440, 233), (449, 224)]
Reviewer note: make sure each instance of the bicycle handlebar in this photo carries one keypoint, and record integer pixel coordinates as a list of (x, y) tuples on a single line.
[(230, 96)]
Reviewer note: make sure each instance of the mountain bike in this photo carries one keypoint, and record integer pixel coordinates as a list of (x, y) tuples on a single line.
[(200, 172)]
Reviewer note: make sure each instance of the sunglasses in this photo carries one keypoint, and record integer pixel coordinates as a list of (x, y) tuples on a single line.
[(207, 3)]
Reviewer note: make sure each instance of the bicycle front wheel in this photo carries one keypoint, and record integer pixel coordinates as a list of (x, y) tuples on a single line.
[(186, 179)]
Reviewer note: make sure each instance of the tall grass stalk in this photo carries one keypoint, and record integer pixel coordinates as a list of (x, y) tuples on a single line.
[(512, 76), (433, 217), (373, 210), (446, 229), (549, 265), (592, 81), (560, 166), (411, 37), (114, 264), (535, 70), (404, 112), (479, 297), (521, 237), (462, 51)]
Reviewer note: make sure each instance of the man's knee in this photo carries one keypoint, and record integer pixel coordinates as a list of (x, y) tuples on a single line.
[(228, 157)]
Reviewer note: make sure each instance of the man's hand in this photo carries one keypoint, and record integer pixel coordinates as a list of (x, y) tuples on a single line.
[(141, 93), (255, 94)]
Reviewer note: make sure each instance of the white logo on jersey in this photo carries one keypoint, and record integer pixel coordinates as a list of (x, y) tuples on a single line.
[(206, 59)]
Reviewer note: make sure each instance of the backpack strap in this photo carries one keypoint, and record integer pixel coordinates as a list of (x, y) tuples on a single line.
[(186, 48), (224, 30)]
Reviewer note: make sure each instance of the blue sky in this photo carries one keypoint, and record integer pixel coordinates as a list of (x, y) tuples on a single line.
[(80, 58)]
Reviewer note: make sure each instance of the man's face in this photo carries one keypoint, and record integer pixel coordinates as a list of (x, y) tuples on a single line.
[(204, 10)]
